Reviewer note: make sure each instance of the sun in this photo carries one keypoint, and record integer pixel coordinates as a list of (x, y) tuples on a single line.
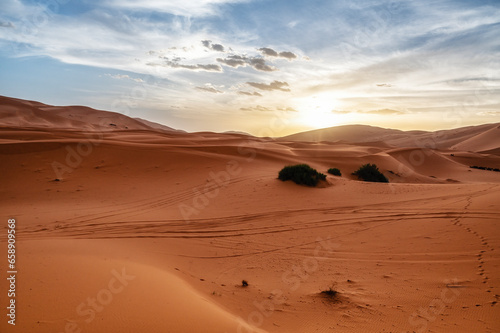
[(316, 111)]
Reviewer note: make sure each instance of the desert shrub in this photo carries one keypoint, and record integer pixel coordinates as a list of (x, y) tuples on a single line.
[(484, 168), (334, 171), (370, 173), (301, 174), (329, 292)]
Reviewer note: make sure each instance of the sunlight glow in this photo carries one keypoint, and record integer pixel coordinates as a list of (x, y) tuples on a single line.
[(316, 111)]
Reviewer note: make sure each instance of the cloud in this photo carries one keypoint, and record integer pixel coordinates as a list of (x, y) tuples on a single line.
[(176, 7), (288, 55), (261, 108), (275, 85), (174, 63), (234, 61), (210, 67), (249, 93), (209, 88), (379, 112), (288, 109), (215, 47), (256, 108), (489, 113), (6, 24), (383, 112), (268, 52), (260, 65), (272, 53), (340, 111), (124, 77), (257, 63)]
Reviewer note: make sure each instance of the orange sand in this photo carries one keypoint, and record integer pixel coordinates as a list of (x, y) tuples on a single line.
[(187, 216)]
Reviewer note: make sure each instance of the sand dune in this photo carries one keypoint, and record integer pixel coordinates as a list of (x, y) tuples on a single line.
[(485, 141), (349, 133), (20, 113), (190, 215), (473, 138), (96, 293)]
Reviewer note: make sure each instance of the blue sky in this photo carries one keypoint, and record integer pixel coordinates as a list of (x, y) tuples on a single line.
[(242, 65)]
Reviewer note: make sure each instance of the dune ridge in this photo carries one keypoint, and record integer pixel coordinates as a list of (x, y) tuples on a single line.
[(471, 138), (30, 114)]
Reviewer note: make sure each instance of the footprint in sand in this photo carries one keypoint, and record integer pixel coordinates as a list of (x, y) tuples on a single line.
[(484, 243)]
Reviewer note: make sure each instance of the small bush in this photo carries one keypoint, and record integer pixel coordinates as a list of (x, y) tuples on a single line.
[(301, 174), (370, 173), (331, 293), (484, 168), (244, 283), (334, 171)]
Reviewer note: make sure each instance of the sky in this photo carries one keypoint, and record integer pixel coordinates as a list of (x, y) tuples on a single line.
[(265, 67)]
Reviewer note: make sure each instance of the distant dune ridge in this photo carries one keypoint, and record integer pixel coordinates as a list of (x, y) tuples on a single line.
[(471, 138), (21, 113), (132, 226)]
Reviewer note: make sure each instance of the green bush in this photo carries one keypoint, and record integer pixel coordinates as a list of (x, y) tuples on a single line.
[(334, 171), (301, 174), (370, 173)]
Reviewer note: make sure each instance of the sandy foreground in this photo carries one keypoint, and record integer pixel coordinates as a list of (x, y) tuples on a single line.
[(126, 228)]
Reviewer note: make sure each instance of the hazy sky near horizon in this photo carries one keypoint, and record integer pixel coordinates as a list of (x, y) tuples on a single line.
[(268, 67)]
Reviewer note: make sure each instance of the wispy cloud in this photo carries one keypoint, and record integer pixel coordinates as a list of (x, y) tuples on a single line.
[(210, 88), (175, 63), (261, 108), (176, 7), (275, 85), (124, 77), (257, 63), (272, 53), (289, 109), (246, 93), (6, 24), (256, 108), (383, 112), (234, 61), (341, 112), (215, 47)]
